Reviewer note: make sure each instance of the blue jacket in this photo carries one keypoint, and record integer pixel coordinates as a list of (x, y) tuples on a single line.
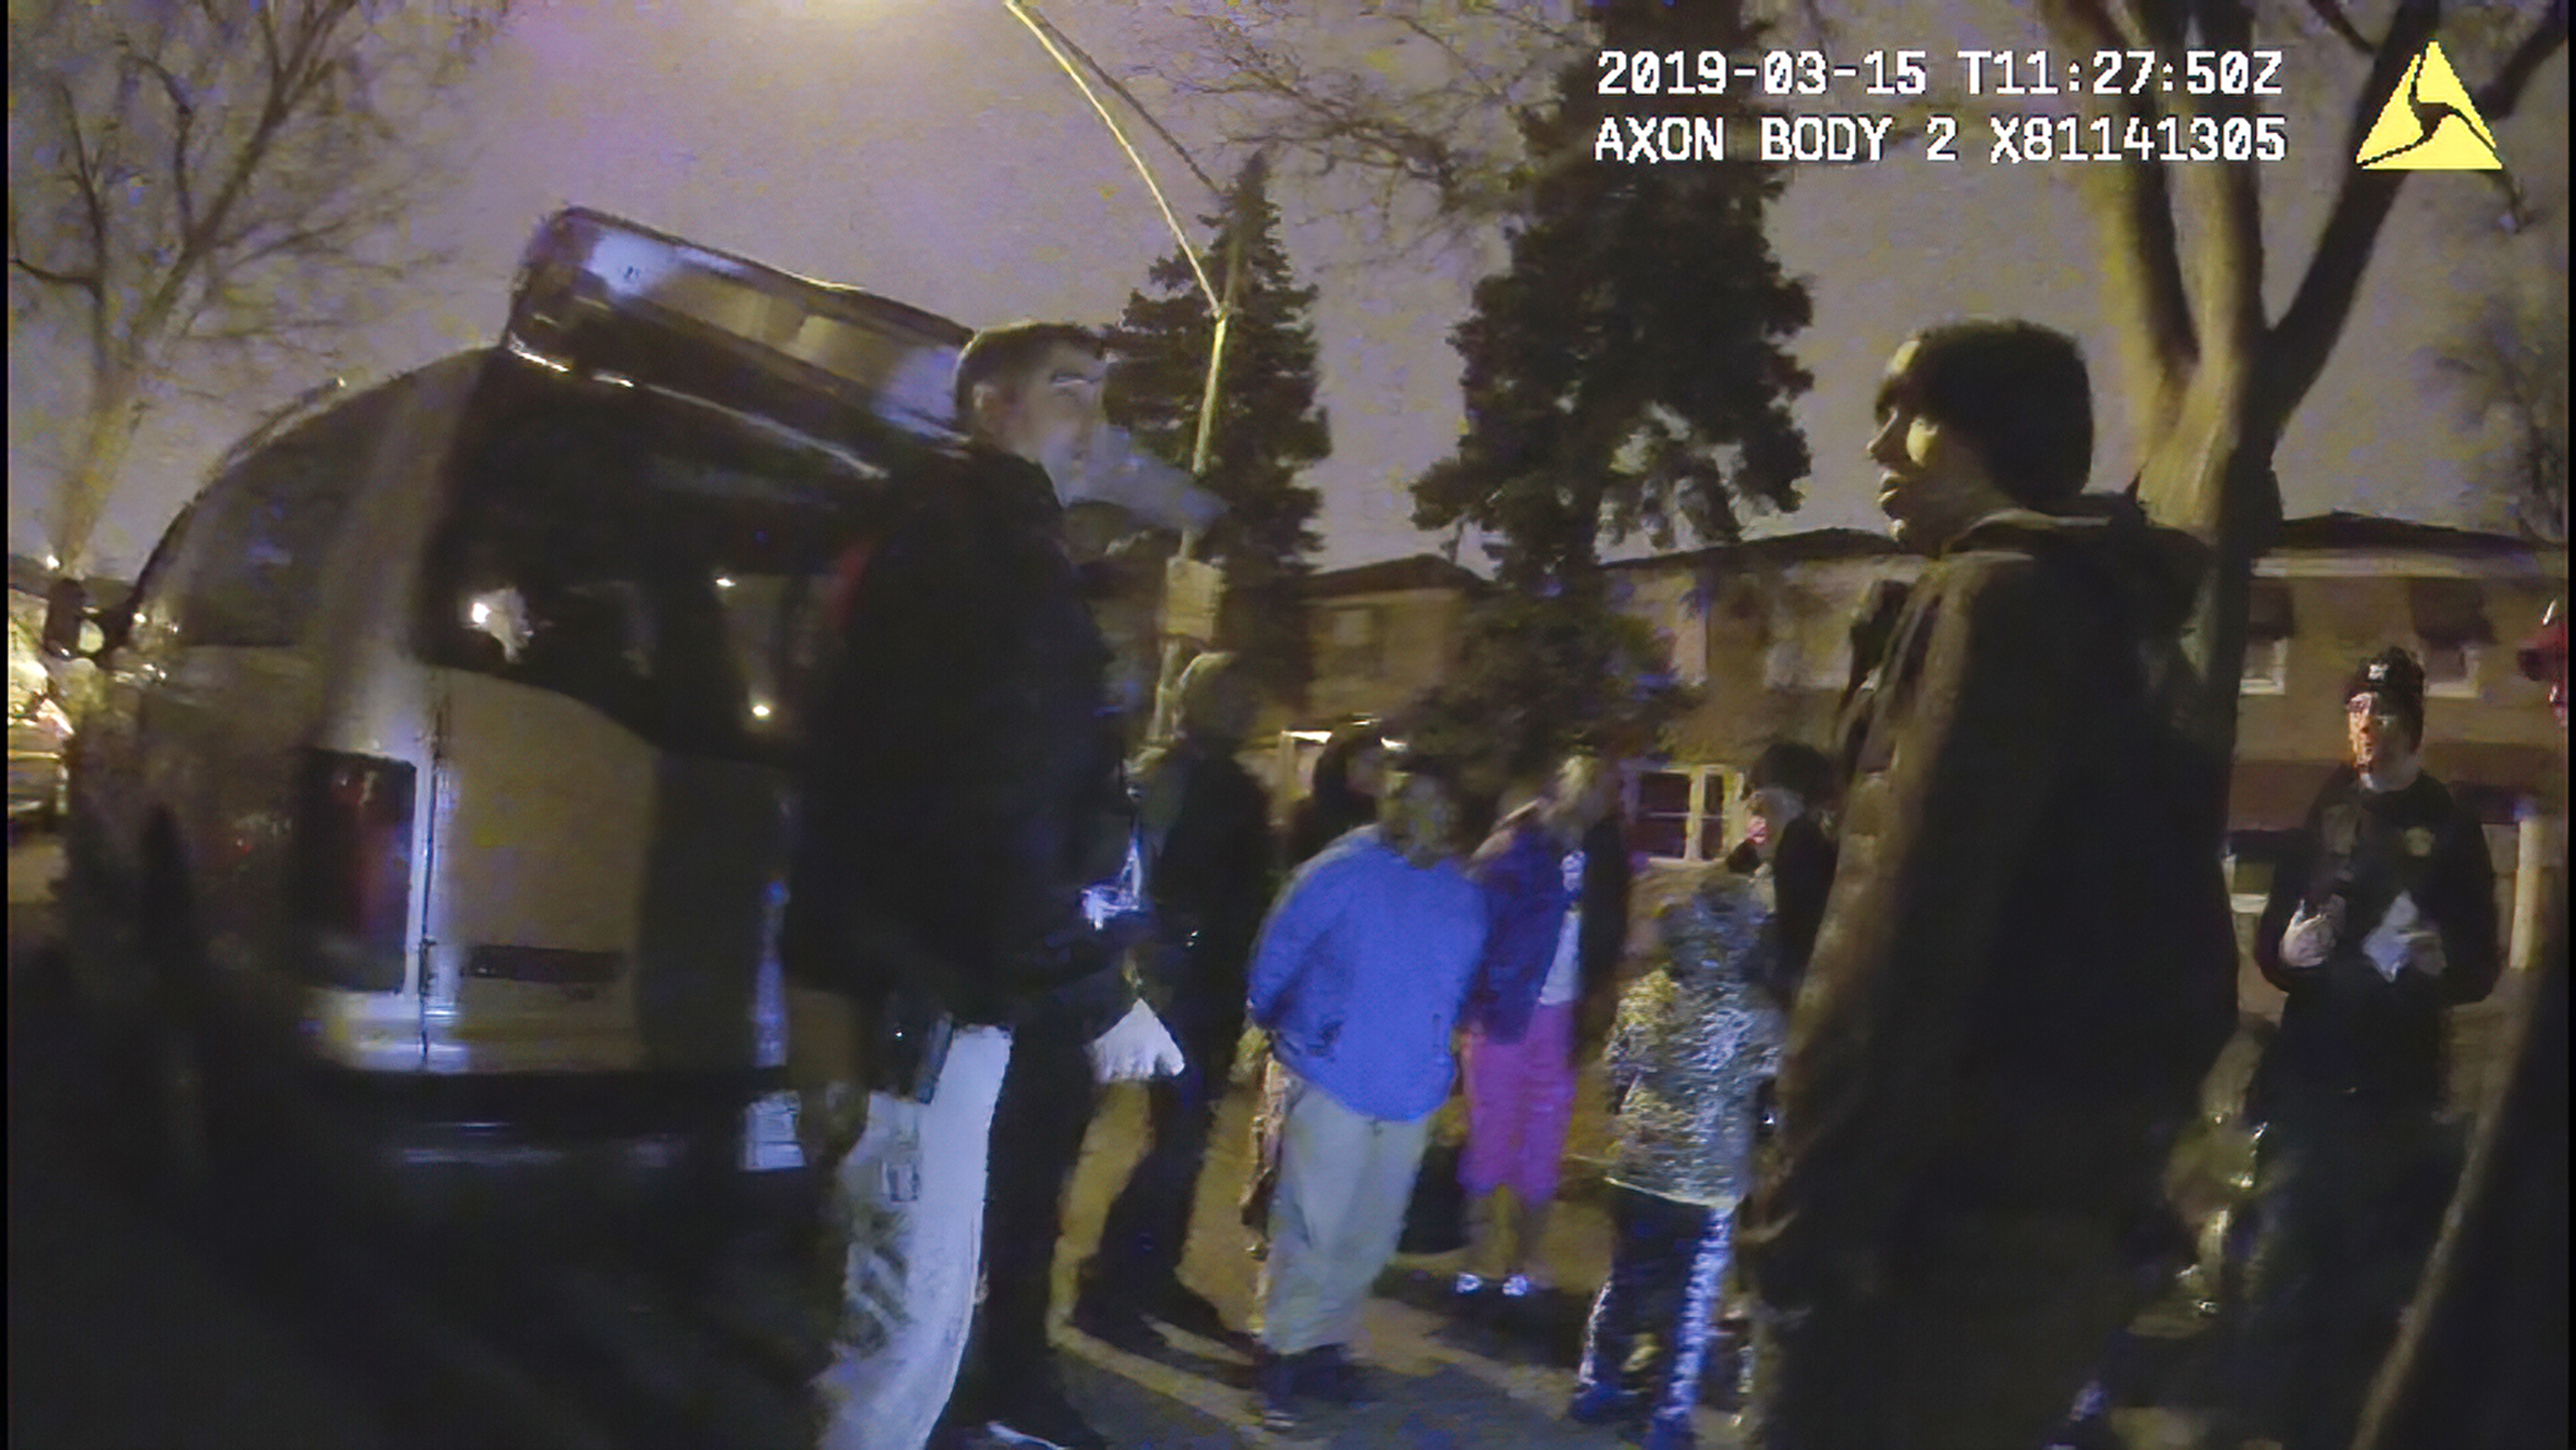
[(1360, 972), (1521, 868)]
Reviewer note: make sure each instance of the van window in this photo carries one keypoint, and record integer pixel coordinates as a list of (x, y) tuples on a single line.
[(269, 525), (669, 571)]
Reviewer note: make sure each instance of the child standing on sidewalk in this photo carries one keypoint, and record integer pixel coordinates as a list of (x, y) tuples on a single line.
[(1693, 1040)]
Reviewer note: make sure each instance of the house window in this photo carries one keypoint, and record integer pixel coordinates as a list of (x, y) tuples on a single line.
[(2451, 620), (1355, 642), (2267, 667), (2268, 627), (2451, 669), (1680, 812)]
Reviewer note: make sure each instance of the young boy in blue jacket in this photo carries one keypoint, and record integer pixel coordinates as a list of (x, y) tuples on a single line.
[(1358, 977)]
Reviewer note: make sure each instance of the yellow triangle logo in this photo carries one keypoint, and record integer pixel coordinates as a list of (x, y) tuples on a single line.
[(2429, 123)]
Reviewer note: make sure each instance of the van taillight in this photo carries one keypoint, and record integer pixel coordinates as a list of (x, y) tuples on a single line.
[(352, 884)]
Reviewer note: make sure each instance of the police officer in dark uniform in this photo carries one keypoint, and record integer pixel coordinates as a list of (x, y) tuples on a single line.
[(2382, 918)]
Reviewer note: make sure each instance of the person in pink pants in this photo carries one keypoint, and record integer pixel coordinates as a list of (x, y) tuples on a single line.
[(1555, 874)]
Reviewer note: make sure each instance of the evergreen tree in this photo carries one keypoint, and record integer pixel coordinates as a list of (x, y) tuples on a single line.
[(1625, 372), (1268, 425)]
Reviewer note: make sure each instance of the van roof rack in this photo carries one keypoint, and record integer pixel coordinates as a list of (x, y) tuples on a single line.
[(611, 300)]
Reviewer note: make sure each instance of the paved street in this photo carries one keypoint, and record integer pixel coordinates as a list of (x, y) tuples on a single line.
[(130, 1326)]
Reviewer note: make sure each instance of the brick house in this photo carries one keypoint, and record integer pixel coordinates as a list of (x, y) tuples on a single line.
[(1383, 633), (1762, 628)]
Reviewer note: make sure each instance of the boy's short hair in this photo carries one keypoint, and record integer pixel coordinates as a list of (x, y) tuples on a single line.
[(2017, 390), (997, 354), (1798, 768), (1430, 765)]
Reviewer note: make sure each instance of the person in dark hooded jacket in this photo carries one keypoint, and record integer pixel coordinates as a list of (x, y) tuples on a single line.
[(2026, 962)]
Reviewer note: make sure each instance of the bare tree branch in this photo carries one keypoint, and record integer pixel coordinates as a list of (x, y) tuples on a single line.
[(2145, 249), (2332, 14), (85, 281), (2296, 352), (2500, 97), (184, 119), (200, 179)]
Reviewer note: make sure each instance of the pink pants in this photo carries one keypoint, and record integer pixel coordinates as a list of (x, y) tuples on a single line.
[(1520, 1099)]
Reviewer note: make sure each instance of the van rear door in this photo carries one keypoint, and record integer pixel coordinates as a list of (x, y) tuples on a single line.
[(620, 609)]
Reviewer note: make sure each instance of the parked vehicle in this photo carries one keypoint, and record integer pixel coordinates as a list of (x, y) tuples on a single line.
[(39, 729), (435, 809)]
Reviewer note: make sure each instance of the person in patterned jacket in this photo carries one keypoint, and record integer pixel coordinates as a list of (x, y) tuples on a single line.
[(1693, 1043)]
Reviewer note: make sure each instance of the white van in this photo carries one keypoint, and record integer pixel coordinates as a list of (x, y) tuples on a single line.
[(437, 802)]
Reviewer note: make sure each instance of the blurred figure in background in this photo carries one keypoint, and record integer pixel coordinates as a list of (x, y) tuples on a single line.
[(1789, 851), (1556, 884), (1349, 773), (2382, 917), (1693, 1040), (1207, 822)]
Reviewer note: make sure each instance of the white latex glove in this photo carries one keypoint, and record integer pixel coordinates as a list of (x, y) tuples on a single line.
[(2311, 935), (1140, 1046), (2403, 939)]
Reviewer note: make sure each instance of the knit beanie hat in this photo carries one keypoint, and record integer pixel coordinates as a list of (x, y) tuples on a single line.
[(2398, 681)]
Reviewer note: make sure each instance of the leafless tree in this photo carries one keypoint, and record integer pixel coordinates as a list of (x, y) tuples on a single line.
[(2507, 367), (1411, 110), (2213, 377), (204, 191)]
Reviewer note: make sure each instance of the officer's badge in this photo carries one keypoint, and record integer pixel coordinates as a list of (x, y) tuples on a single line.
[(2419, 842), (2342, 830)]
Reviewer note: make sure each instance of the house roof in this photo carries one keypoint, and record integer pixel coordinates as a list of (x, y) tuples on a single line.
[(2341, 530), (1812, 546), (1388, 576), (2318, 533)]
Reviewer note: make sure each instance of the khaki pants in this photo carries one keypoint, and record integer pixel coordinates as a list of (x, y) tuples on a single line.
[(907, 1216), (1344, 1183)]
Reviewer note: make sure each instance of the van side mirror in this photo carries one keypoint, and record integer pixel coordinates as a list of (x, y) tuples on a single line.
[(66, 611)]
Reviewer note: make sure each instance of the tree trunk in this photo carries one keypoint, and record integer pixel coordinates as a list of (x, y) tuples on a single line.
[(91, 473)]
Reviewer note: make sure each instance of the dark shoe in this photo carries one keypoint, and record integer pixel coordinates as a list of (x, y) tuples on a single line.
[(1274, 1394), (2083, 1435), (1191, 1312), (1035, 1415), (1114, 1322), (1329, 1375), (1604, 1405), (1670, 1432)]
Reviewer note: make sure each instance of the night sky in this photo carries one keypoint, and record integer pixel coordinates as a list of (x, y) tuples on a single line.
[(934, 153)]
